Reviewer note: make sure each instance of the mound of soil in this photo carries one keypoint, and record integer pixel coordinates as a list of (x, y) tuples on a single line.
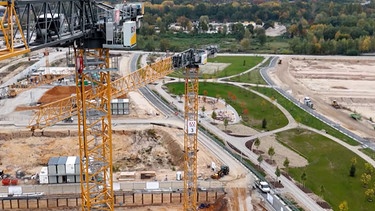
[(57, 93)]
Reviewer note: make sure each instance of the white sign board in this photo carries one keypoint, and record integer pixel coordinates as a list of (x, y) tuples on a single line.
[(116, 186), (16, 190), (192, 127), (152, 185)]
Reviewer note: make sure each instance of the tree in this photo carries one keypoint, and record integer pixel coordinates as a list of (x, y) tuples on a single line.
[(365, 179), (257, 143), (245, 44), (238, 31), (303, 178), (183, 21), (264, 123), (370, 194), (271, 152), (213, 115), (343, 206), (369, 169), (261, 35), (277, 172), (262, 39), (247, 34), (260, 159), (164, 45), (225, 123), (203, 22), (352, 170), (286, 163), (203, 109), (353, 167)]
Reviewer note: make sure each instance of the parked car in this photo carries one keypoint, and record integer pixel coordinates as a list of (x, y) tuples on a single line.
[(263, 186)]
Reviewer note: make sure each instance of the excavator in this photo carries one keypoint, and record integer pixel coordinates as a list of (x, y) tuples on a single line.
[(93, 29), (224, 170)]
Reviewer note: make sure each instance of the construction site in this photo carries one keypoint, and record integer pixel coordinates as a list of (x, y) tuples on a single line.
[(62, 148), (341, 88), (81, 132)]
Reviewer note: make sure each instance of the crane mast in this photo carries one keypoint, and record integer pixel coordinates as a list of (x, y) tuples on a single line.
[(190, 61), (191, 137), (10, 26), (94, 129)]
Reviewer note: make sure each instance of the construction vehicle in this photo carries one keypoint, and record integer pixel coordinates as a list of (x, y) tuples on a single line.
[(335, 104), (224, 170), (68, 120), (356, 116), (25, 84), (93, 29), (307, 101)]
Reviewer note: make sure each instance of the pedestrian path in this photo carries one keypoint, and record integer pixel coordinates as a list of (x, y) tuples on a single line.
[(240, 142)]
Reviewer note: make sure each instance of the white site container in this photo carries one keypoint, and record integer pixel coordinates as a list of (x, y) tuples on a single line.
[(77, 167), (61, 165), (52, 166), (52, 179), (70, 165), (43, 175)]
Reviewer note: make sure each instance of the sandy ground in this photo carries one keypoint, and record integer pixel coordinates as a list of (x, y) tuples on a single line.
[(37, 151), (348, 80)]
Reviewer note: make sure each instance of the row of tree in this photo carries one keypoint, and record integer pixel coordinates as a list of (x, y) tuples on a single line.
[(314, 27)]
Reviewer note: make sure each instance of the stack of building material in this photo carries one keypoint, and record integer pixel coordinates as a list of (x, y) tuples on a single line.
[(119, 106), (64, 169), (52, 170)]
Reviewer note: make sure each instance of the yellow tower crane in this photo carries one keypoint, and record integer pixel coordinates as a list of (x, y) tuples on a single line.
[(11, 28)]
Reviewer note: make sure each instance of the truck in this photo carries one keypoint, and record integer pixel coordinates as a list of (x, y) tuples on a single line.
[(68, 120), (307, 101), (263, 186), (335, 104)]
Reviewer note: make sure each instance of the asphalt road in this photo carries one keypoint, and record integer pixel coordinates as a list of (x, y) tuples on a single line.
[(219, 152)]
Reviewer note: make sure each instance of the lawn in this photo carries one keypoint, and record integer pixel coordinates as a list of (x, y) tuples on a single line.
[(253, 76), (303, 117), (238, 64), (250, 106), (329, 165)]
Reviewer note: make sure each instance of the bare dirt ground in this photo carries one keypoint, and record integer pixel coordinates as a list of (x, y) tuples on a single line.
[(348, 80), (143, 152), (132, 151)]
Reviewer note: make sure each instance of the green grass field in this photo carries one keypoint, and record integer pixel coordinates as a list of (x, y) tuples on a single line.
[(256, 107), (305, 118), (238, 64), (329, 165), (252, 77)]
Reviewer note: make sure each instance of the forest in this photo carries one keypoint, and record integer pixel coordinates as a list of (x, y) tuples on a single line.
[(313, 26)]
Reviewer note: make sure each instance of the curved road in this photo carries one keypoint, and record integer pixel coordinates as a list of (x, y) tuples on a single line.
[(239, 143)]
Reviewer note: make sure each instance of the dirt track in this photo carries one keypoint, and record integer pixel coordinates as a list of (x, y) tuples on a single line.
[(349, 80)]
